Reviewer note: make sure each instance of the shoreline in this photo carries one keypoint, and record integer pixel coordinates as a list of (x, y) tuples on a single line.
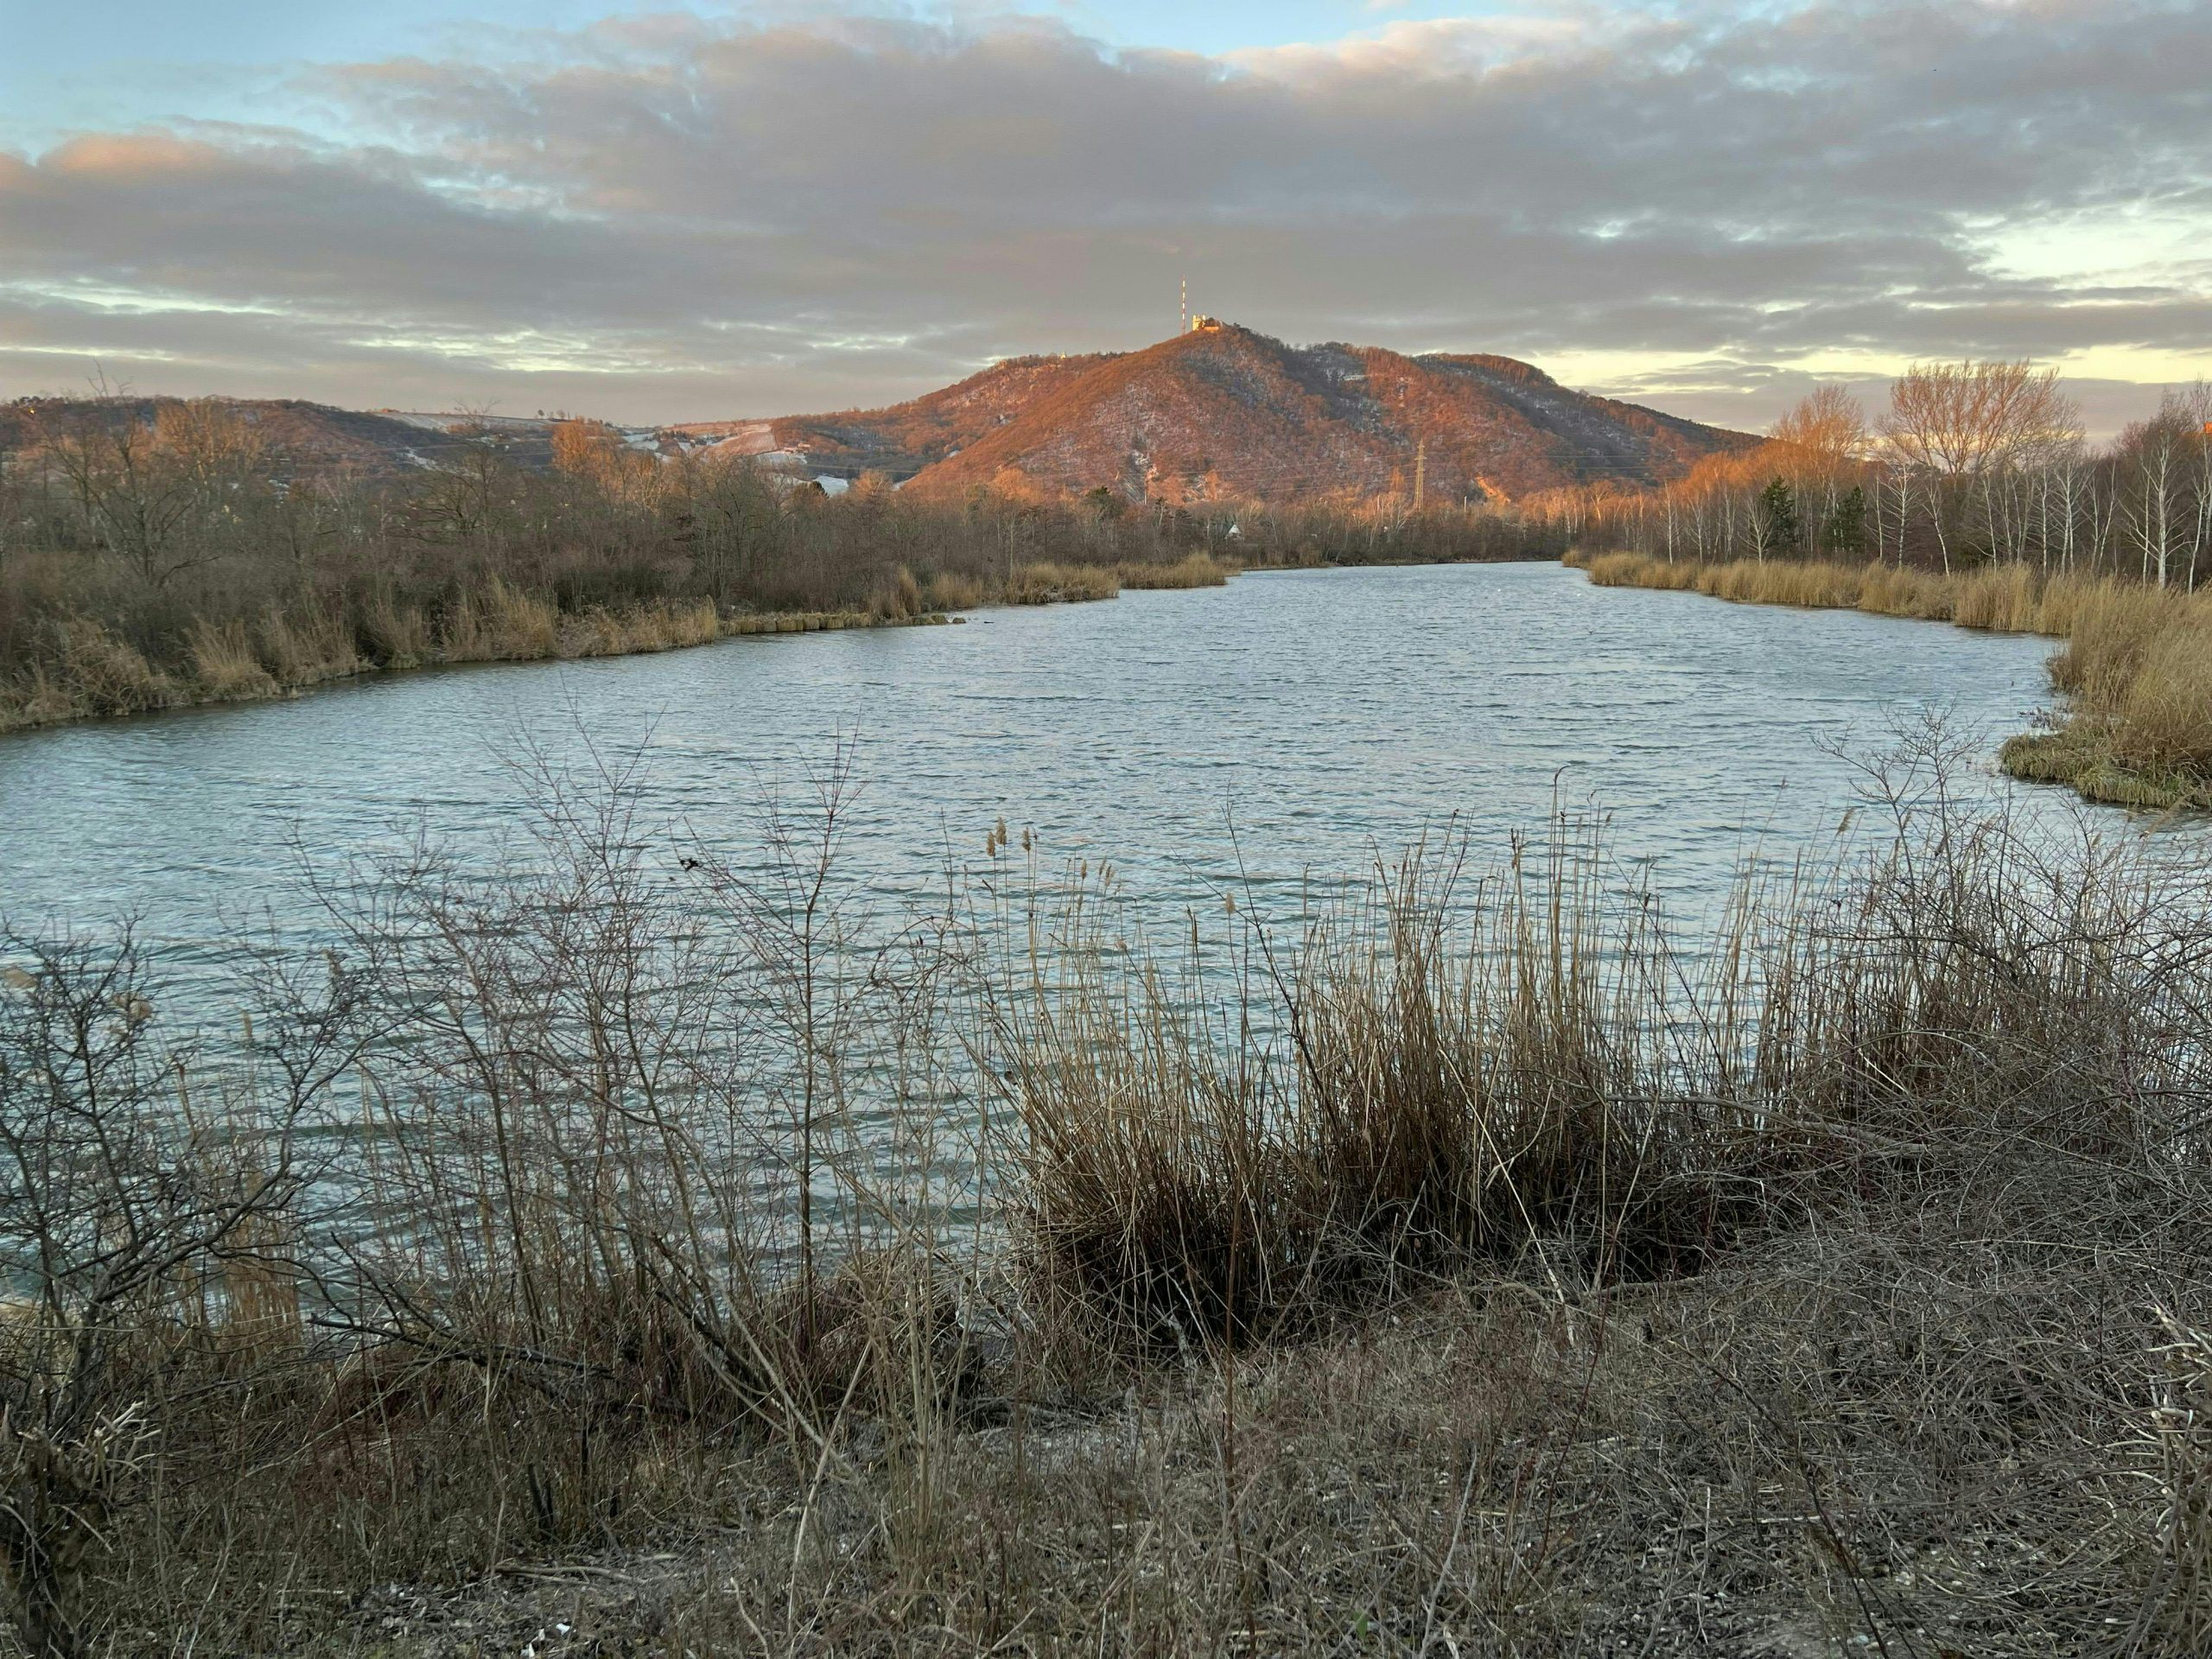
[(2085, 748), (683, 626), (588, 642)]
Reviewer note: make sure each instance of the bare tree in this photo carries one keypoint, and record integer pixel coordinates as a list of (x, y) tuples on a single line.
[(1964, 429)]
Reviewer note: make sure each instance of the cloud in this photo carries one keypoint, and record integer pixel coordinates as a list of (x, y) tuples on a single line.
[(702, 217)]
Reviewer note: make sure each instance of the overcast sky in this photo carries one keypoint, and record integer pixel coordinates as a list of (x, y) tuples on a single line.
[(664, 213)]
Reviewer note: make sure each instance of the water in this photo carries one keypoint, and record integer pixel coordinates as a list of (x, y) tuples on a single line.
[(1289, 723)]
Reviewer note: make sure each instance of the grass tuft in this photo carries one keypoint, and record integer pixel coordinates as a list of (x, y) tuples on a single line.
[(1196, 570), (223, 663), (1043, 582)]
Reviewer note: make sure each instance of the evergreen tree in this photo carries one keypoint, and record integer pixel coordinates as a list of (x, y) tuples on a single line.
[(1780, 530)]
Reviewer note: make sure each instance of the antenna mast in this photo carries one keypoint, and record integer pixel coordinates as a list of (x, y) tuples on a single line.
[(1186, 328), (1420, 471)]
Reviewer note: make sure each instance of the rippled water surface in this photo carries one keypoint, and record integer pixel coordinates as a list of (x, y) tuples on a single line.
[(1328, 714)]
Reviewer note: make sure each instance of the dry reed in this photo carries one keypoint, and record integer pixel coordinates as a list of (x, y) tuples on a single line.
[(952, 590), (651, 1217), (2011, 599), (1198, 571), (1044, 582), (107, 675)]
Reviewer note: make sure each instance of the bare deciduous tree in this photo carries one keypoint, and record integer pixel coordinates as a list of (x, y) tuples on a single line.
[(1962, 427)]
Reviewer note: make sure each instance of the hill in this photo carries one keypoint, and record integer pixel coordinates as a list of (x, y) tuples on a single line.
[(1225, 413), (1219, 414), (303, 437), (906, 437)]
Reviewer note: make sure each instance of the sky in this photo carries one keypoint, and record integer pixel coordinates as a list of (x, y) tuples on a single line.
[(663, 212)]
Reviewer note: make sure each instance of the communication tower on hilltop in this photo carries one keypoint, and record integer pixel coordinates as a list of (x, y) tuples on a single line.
[(1185, 326)]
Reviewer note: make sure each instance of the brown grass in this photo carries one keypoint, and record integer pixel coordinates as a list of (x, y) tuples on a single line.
[(38, 696), (952, 590), (670, 626), (224, 665), (98, 673), (107, 675), (2013, 599), (2009, 600), (1043, 582), (573, 1246), (301, 648), (394, 634), (899, 596), (500, 623), (2163, 722), (1198, 571)]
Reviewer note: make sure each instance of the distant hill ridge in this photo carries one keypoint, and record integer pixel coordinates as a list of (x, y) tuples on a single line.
[(1222, 413), (1226, 413)]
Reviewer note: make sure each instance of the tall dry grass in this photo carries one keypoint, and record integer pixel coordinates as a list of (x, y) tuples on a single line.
[(669, 626), (396, 635), (95, 671), (1457, 1067), (1044, 582), (305, 647), (2008, 600), (225, 664), (284, 651), (500, 623), (1198, 571), (931, 1263), (101, 673), (952, 590)]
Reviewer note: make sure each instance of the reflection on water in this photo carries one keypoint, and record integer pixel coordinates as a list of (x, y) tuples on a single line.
[(1291, 723)]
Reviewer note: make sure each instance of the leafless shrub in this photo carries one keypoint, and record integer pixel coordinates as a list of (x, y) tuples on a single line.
[(149, 1243)]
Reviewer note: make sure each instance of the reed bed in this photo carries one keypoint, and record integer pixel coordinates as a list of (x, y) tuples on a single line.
[(2003, 599), (225, 663), (1198, 571), (96, 671), (1044, 582), (1467, 1071), (666, 626), (947, 590)]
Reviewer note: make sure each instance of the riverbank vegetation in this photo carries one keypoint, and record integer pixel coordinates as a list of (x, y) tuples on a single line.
[(155, 553), (1974, 499), (665, 1248)]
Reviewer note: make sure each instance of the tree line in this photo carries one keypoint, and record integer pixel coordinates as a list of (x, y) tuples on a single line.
[(1970, 464), (163, 550)]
